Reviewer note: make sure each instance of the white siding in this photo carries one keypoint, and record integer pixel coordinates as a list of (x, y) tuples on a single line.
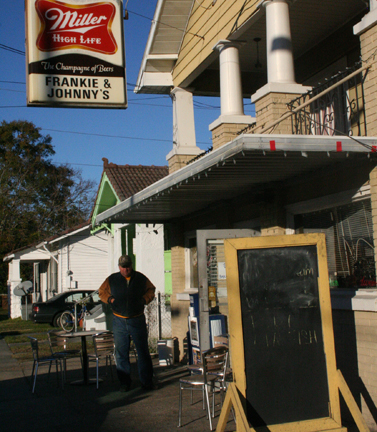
[(149, 251), (84, 256)]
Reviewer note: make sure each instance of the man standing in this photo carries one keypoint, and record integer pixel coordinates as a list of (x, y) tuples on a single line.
[(127, 292)]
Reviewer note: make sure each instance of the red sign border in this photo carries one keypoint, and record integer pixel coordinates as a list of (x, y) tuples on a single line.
[(77, 46)]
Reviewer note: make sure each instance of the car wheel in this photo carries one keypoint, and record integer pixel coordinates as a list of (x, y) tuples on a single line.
[(56, 320)]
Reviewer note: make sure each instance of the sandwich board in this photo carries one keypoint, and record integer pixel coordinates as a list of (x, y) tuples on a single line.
[(281, 337)]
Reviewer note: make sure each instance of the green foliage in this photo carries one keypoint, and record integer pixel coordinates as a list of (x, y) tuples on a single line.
[(37, 198)]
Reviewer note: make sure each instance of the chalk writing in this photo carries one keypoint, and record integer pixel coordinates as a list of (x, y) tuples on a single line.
[(277, 332), (305, 272)]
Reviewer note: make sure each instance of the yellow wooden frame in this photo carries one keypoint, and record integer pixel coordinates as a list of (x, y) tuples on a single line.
[(237, 390)]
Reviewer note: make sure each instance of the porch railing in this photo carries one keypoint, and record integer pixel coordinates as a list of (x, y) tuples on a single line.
[(338, 111)]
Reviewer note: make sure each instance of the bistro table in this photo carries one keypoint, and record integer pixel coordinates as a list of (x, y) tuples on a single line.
[(85, 369)]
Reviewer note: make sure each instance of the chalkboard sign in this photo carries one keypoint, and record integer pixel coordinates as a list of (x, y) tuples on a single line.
[(285, 364), (281, 337)]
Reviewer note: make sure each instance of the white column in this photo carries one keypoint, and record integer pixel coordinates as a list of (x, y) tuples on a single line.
[(14, 279), (183, 118), (231, 99), (280, 64), (184, 138), (230, 78), (117, 245), (369, 20)]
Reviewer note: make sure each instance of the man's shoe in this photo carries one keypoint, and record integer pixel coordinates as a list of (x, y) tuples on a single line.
[(149, 387)]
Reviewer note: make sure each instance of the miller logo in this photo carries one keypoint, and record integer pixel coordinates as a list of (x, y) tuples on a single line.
[(65, 26)]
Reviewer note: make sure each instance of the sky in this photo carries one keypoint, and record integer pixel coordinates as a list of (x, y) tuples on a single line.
[(138, 135)]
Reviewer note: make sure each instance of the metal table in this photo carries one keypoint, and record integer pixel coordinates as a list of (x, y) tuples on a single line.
[(85, 369)]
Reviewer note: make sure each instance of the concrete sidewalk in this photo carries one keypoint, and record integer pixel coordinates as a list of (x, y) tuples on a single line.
[(84, 408)]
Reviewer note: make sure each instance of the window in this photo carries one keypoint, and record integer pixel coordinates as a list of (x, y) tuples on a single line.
[(193, 257), (74, 297), (95, 298), (349, 241), (216, 275)]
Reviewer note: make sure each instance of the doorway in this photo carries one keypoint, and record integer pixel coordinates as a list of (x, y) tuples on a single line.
[(213, 297)]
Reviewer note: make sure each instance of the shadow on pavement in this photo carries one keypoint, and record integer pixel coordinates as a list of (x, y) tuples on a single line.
[(84, 408)]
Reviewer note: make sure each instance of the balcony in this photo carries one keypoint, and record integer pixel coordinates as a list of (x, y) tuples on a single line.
[(337, 107)]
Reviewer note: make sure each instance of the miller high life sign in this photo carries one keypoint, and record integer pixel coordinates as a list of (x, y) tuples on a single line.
[(75, 53)]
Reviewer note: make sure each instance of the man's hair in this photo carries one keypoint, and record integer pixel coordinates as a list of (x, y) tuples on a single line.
[(125, 261)]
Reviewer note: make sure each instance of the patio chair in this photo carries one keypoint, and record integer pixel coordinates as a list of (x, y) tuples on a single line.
[(133, 348), (103, 349), (59, 349), (42, 361), (214, 365)]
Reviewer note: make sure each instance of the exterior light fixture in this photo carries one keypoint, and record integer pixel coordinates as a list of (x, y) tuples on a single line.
[(258, 64)]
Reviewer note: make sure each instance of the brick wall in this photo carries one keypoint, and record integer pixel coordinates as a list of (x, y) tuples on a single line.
[(368, 48), (270, 108), (373, 198), (225, 133), (177, 162), (179, 308)]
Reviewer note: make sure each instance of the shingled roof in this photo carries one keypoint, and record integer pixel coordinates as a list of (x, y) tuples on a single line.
[(127, 180)]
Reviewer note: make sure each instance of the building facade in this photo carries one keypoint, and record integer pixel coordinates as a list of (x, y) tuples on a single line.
[(75, 259), (305, 163), (145, 243), (82, 257)]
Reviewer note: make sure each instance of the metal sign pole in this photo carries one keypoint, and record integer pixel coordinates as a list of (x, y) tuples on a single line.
[(75, 317)]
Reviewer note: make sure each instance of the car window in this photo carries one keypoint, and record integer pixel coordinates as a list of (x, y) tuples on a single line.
[(96, 298), (86, 295), (54, 298), (74, 297)]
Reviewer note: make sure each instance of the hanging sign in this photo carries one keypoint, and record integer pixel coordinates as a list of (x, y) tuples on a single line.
[(75, 54)]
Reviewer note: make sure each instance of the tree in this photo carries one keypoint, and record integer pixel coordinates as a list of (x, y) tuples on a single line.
[(37, 198)]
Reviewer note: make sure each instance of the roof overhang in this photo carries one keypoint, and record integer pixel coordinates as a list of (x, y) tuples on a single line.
[(248, 163), (40, 252), (70, 234), (163, 45), (317, 29), (28, 255)]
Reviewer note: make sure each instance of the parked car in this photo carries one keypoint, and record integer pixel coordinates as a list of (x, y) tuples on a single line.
[(51, 310)]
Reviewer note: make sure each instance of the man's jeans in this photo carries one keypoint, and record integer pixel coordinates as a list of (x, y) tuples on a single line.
[(136, 327)]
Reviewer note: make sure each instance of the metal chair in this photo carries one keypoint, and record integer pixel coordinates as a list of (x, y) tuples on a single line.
[(59, 348), (42, 361), (103, 349), (214, 365), (133, 347)]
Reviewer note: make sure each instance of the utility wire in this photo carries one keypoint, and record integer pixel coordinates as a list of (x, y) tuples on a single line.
[(108, 136), (197, 104), (13, 50), (11, 90), (167, 25), (13, 82), (75, 163), (115, 136)]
